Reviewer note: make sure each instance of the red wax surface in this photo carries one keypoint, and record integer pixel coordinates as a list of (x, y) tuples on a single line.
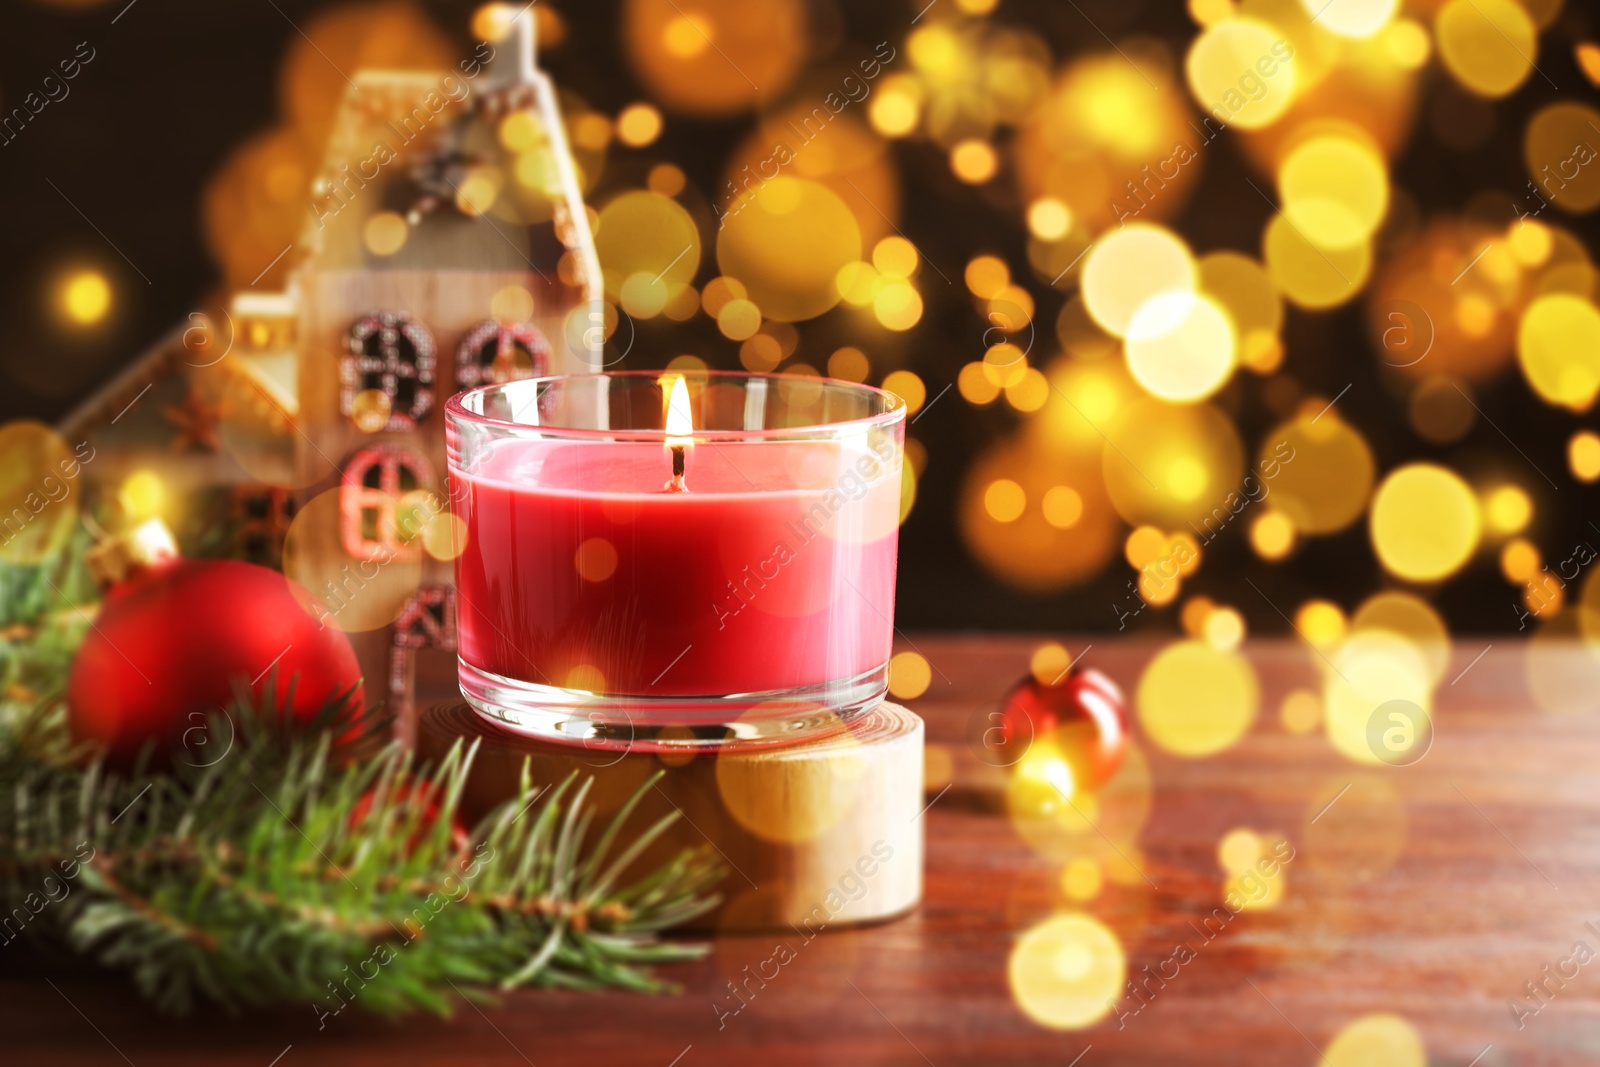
[(774, 571)]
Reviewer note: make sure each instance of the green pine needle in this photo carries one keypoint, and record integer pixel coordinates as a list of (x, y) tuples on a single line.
[(248, 883)]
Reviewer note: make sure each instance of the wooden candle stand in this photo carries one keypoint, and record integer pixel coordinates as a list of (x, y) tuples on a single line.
[(817, 834)]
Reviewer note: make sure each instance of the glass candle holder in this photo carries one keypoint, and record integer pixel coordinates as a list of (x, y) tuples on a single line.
[(676, 561)]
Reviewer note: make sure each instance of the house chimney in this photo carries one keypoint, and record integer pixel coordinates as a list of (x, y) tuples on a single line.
[(512, 64)]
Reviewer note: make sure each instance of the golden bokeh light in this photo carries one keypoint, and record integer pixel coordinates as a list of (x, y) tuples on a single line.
[(974, 162), (1061, 821), (85, 297), (1049, 662), (898, 306), (1351, 18), (481, 187), (1507, 509), (812, 805), (1583, 455), (1030, 391), (1425, 522), (1312, 277), (1032, 550), (1588, 56), (1558, 348), (682, 54), (849, 364), (1406, 43), (1489, 46), (1410, 618), (739, 320), (1321, 623), (908, 387), (1322, 471), (595, 560), (840, 152), (787, 246), (650, 246), (1379, 1040), (1243, 287), (1181, 346), (314, 556), (385, 233), (38, 471), (1224, 629), (1195, 699), (1242, 71), (1081, 879), (638, 125), (1062, 506), (1301, 711), (1004, 500), (1171, 464), (1370, 669), (987, 275), (909, 675), (1144, 546), (1559, 143), (1255, 893), (1066, 972), (1109, 141), (896, 108), (1519, 560), (1334, 190), (977, 385), (895, 257), (143, 495), (760, 354), (1239, 850), (1049, 219), (1272, 535), (1127, 267)]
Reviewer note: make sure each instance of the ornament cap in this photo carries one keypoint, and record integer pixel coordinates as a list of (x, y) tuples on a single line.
[(124, 554)]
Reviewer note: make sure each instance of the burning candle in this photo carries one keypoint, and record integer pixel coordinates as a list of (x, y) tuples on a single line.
[(680, 424), (691, 561)]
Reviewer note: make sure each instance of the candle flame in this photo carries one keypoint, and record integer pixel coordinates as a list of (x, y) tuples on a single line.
[(680, 420)]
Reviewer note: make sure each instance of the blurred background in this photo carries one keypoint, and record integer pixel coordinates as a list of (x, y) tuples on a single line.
[(1213, 317)]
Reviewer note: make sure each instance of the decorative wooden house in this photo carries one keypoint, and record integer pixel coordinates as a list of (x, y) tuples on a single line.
[(447, 247)]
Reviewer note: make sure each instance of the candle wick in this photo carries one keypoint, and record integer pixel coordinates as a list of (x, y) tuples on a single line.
[(677, 485)]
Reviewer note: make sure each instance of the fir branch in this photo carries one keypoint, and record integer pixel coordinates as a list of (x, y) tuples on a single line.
[(248, 883)]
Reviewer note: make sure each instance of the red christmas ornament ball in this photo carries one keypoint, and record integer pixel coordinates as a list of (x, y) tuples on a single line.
[(173, 637), (1083, 714)]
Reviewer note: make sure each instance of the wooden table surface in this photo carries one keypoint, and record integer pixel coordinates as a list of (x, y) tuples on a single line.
[(1432, 891)]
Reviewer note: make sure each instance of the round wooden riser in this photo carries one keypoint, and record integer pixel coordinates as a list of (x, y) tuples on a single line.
[(815, 835)]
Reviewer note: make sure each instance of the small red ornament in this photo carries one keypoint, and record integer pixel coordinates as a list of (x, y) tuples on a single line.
[(1083, 713), (172, 637), (399, 796)]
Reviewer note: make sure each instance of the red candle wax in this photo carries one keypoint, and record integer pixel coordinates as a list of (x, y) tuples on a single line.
[(774, 571)]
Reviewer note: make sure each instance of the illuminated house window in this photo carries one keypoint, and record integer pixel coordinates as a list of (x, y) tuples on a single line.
[(497, 352), (371, 495), (386, 375)]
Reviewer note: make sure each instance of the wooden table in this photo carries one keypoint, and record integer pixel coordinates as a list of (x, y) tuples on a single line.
[(1433, 891)]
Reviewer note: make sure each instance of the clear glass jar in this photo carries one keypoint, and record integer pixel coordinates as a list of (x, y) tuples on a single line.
[(715, 570)]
